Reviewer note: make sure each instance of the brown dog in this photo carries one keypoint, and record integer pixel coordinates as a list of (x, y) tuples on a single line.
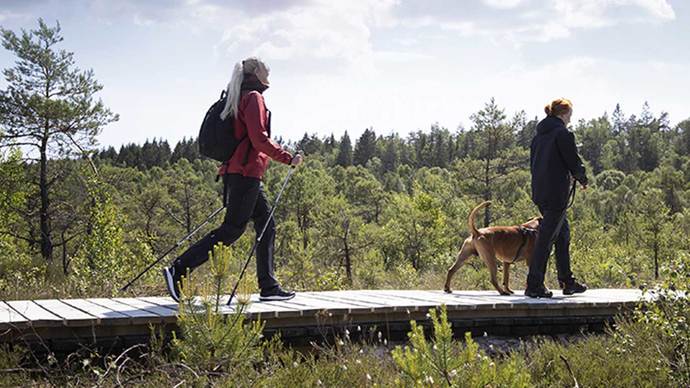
[(506, 243)]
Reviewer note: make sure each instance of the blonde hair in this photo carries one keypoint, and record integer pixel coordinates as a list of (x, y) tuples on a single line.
[(558, 107), (251, 65)]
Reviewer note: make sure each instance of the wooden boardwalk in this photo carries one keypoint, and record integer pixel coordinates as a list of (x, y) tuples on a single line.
[(65, 322)]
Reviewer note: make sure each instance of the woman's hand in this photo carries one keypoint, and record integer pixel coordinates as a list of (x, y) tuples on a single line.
[(296, 160)]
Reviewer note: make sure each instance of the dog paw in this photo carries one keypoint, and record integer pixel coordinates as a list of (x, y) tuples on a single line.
[(447, 290), (504, 292)]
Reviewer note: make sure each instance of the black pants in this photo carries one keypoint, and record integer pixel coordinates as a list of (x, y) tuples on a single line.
[(554, 223), (245, 200)]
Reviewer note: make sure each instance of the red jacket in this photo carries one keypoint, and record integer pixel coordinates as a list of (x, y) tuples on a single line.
[(252, 122)]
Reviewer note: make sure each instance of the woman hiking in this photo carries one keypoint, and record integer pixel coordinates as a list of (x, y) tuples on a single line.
[(242, 174), (554, 164)]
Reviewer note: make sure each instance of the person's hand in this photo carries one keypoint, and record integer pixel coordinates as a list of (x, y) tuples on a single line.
[(584, 187), (296, 160)]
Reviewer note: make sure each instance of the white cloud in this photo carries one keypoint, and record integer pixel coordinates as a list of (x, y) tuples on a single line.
[(594, 85), (9, 16), (503, 4), (319, 30), (660, 8), (545, 20)]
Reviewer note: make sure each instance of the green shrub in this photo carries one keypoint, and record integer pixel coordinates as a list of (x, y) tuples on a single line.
[(210, 341), (443, 362), (662, 328)]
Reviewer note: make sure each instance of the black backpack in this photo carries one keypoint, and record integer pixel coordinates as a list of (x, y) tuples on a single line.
[(216, 136)]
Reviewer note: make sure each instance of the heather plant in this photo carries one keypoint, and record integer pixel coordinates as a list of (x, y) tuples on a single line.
[(666, 321)]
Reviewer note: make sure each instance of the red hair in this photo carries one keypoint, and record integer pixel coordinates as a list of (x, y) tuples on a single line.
[(558, 107)]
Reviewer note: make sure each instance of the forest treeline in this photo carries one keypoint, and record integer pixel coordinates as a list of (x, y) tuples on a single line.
[(360, 209)]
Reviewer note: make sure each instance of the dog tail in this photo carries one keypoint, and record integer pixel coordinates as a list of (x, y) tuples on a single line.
[(470, 220)]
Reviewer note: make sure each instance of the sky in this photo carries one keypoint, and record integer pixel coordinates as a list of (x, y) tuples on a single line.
[(391, 65)]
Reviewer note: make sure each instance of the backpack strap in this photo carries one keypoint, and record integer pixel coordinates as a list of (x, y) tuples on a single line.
[(268, 130)]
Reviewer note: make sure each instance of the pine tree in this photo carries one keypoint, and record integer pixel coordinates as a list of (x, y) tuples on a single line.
[(109, 154), (48, 106), (344, 157), (391, 156), (330, 144), (365, 148), (618, 120), (493, 135)]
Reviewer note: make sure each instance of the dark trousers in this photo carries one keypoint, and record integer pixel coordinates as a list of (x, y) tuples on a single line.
[(245, 200), (554, 225)]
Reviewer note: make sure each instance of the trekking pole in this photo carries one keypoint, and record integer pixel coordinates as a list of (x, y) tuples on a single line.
[(173, 248), (260, 236)]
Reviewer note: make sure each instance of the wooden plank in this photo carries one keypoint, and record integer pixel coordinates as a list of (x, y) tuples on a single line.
[(166, 301), (325, 303), (256, 307), (340, 297), (135, 315), (493, 299), (70, 315), (103, 314), (485, 298), (252, 309), (356, 297), (499, 301), (612, 295), (459, 302), (455, 302), (9, 316), (412, 303), (261, 310), (264, 309), (517, 300), (162, 312), (392, 303), (37, 315), (297, 304), (284, 309)]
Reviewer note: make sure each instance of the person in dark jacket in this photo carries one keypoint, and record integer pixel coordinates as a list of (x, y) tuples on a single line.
[(554, 164), (242, 174)]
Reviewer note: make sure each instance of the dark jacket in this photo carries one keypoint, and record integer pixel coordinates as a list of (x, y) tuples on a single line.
[(553, 160)]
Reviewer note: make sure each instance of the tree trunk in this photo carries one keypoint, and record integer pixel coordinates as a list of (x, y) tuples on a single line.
[(65, 261), (188, 209), (89, 231), (302, 223), (656, 256), (348, 260), (46, 241)]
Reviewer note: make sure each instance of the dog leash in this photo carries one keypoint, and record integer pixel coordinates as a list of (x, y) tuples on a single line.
[(564, 212)]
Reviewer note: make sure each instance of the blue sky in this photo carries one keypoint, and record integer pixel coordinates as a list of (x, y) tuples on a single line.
[(349, 65)]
